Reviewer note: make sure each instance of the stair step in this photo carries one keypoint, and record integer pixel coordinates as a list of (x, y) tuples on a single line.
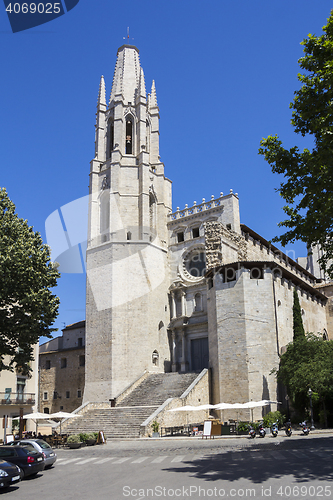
[(124, 420)]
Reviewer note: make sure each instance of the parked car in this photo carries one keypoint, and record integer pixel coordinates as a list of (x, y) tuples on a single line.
[(26, 457), (42, 447), (9, 474)]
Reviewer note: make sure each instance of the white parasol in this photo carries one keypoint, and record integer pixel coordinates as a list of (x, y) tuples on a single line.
[(63, 415)]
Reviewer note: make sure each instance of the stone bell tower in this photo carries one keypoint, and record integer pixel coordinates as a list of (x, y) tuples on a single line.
[(127, 269)]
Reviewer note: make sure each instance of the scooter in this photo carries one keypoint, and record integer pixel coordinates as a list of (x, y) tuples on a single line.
[(261, 430), (305, 428), (274, 429), (288, 429), (252, 432)]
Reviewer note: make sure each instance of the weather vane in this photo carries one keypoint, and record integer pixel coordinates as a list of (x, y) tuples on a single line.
[(124, 37)]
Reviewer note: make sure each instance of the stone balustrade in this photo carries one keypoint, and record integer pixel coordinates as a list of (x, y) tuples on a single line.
[(198, 208)]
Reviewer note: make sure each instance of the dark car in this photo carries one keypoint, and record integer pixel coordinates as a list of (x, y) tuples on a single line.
[(26, 457), (9, 474), (42, 446)]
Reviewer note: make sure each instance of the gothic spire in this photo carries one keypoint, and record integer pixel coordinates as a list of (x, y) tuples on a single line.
[(153, 98), (127, 73), (101, 93), (142, 85)]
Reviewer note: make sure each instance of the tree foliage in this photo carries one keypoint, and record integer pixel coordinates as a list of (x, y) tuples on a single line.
[(298, 327), (307, 363), (27, 306), (308, 186)]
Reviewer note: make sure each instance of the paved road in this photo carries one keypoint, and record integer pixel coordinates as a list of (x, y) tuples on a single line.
[(282, 468)]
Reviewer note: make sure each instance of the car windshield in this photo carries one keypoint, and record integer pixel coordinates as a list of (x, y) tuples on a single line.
[(42, 444)]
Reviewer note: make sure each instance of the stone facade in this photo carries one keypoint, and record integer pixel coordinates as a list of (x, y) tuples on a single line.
[(62, 370), (184, 290)]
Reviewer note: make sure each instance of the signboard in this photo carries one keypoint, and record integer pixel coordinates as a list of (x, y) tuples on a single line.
[(207, 428)]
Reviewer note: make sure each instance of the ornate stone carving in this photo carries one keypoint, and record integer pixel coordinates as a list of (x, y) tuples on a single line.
[(105, 182), (213, 234), (214, 231)]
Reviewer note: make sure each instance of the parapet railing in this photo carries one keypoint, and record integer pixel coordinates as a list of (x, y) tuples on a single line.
[(205, 205)]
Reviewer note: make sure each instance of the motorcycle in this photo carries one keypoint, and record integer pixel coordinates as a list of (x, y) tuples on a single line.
[(288, 429), (305, 428), (274, 429), (252, 432), (261, 430)]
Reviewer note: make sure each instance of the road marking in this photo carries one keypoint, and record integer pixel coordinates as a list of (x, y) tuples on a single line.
[(178, 458), (198, 457), (298, 454), (104, 460), (121, 460), (277, 455), (139, 460), (256, 456), (65, 462), (86, 461), (158, 460)]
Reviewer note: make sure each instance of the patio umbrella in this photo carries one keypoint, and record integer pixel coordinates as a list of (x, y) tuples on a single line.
[(63, 415), (35, 416)]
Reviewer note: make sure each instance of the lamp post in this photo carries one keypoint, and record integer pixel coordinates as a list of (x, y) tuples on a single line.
[(311, 409), (287, 399)]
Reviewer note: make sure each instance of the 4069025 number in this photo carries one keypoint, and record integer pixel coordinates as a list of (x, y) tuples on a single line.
[(34, 8), (304, 491)]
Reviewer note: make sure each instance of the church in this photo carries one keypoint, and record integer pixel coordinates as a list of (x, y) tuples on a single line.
[(178, 290)]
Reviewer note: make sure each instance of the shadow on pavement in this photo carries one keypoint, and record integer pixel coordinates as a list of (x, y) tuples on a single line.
[(305, 462)]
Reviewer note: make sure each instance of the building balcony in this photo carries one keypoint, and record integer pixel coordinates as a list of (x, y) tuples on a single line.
[(17, 398)]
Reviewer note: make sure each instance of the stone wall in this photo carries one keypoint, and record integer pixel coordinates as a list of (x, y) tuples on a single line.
[(66, 381)]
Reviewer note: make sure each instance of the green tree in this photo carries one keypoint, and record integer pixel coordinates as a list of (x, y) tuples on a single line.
[(27, 306), (298, 327), (308, 186), (307, 363)]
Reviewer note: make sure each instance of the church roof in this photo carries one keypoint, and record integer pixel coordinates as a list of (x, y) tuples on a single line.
[(126, 79)]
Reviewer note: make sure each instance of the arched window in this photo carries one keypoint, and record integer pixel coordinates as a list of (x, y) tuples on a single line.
[(129, 135), (155, 358), (198, 302), (325, 336), (152, 212), (110, 138), (147, 136), (104, 216)]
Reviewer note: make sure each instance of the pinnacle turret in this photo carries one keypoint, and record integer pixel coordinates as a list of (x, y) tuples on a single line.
[(153, 98), (142, 85), (101, 93)]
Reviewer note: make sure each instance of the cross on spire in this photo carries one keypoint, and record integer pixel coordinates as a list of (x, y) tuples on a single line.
[(127, 37)]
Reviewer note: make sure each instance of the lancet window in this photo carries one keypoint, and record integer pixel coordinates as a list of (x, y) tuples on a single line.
[(129, 135)]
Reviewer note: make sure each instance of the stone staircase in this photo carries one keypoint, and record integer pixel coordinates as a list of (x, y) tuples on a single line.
[(124, 420)]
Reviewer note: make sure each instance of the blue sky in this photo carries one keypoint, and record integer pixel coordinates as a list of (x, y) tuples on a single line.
[(225, 74)]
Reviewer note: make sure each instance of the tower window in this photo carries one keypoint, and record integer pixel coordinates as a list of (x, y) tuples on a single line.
[(80, 342), (195, 232), (48, 364), (129, 137), (110, 138), (180, 236), (63, 363)]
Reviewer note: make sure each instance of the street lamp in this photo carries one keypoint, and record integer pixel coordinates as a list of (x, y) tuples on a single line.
[(311, 409), (287, 399)]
